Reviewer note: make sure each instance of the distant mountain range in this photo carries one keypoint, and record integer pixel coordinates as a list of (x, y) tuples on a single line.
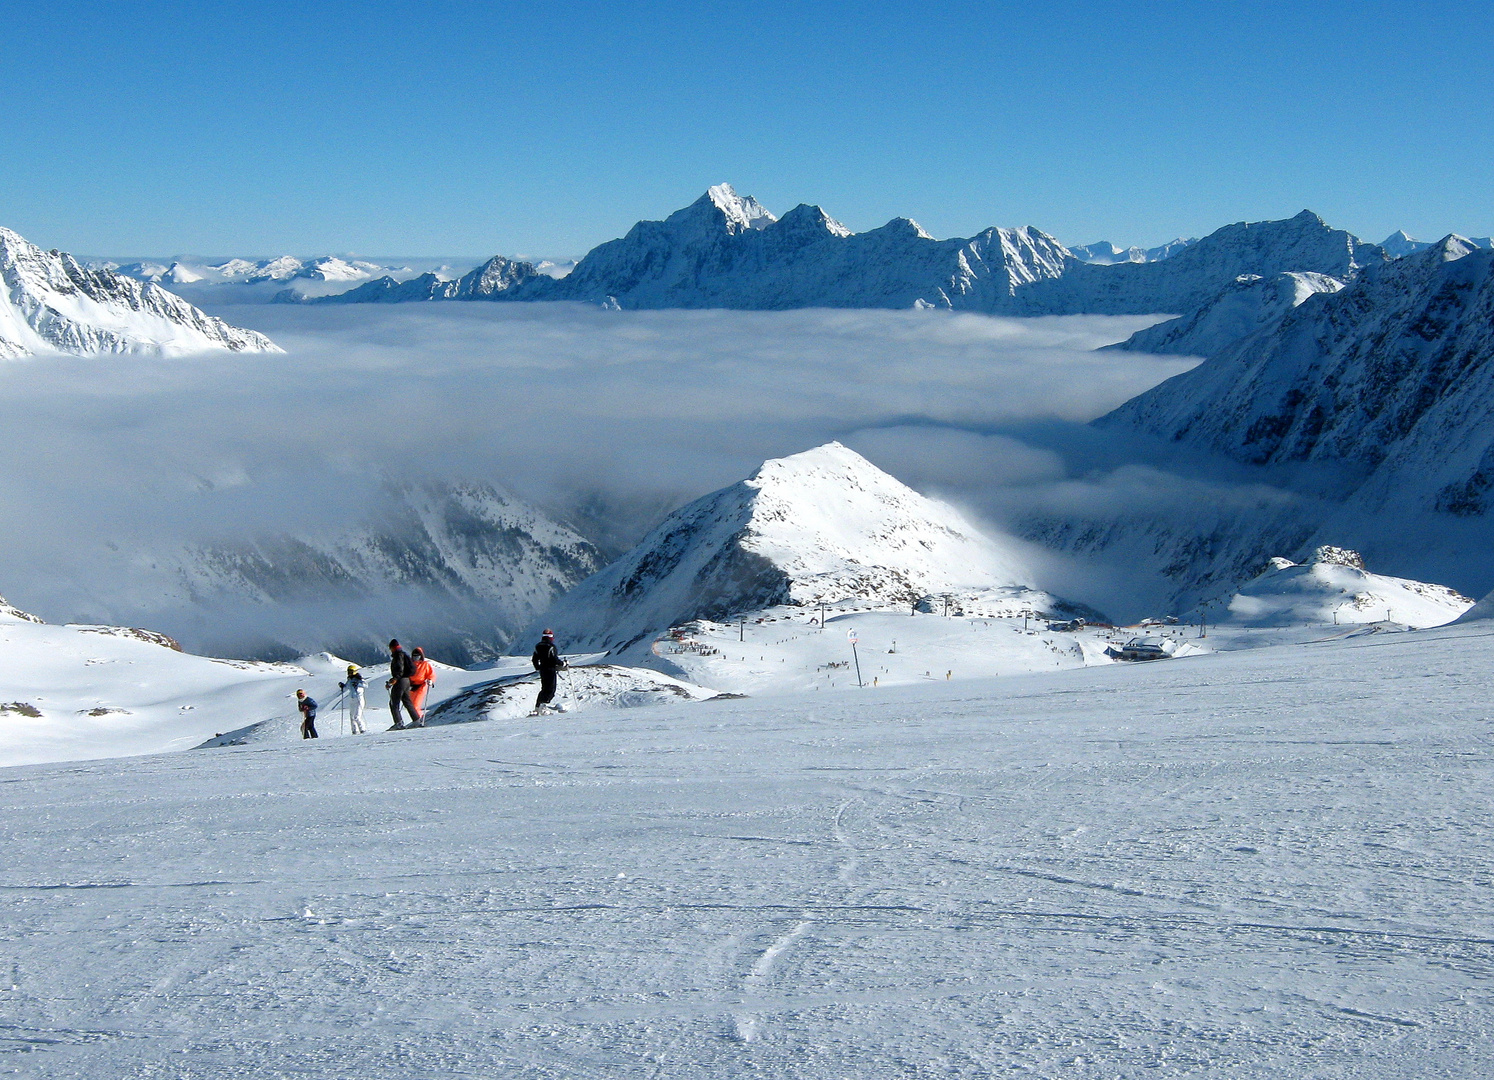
[(49, 302), (727, 251)]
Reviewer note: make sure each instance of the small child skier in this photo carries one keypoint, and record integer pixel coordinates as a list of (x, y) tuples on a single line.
[(307, 705)]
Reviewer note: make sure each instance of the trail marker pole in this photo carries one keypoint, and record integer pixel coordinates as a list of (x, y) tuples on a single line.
[(742, 631), (852, 637)]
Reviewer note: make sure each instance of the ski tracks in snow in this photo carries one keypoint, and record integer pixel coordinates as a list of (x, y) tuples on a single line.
[(748, 1023)]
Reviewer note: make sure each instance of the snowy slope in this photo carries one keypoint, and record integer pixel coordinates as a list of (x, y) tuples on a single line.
[(1334, 588), (823, 526), (1248, 305), (463, 566), (70, 692), (1258, 866), (1393, 375), (81, 692), (51, 303)]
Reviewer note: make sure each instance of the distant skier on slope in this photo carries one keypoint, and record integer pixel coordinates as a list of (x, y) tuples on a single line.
[(421, 681), (307, 705), (547, 662), (353, 688), (401, 667)]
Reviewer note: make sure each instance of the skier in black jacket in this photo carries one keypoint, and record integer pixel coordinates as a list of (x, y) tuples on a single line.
[(401, 667), (547, 662)]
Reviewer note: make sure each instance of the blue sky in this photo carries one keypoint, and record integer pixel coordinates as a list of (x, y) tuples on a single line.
[(462, 128)]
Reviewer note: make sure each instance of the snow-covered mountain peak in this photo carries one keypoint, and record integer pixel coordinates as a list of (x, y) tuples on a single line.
[(1453, 247), (741, 213), (902, 227), (49, 302), (810, 218), (824, 526)]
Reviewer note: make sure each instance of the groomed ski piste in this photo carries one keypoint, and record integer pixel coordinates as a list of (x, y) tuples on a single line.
[(1267, 863)]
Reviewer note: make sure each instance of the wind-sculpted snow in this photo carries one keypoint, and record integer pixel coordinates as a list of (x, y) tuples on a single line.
[(1393, 375), (820, 527), (50, 303), (1260, 866)]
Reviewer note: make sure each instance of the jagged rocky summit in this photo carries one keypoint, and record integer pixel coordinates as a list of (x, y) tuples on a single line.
[(825, 526), (49, 303)]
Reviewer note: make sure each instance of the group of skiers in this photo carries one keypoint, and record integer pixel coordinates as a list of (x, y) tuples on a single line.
[(411, 677)]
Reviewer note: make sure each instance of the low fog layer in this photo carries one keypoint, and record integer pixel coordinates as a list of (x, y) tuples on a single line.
[(605, 419)]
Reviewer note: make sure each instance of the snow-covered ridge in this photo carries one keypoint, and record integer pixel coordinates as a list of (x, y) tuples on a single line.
[(1248, 305), (1399, 244), (823, 526), (1195, 275), (49, 303), (498, 278)]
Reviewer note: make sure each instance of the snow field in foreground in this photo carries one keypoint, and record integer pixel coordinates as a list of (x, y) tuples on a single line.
[(1262, 864)]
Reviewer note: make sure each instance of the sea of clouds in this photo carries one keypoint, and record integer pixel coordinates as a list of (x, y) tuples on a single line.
[(606, 419)]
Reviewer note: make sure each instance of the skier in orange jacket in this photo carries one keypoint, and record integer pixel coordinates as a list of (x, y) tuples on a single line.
[(421, 682)]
